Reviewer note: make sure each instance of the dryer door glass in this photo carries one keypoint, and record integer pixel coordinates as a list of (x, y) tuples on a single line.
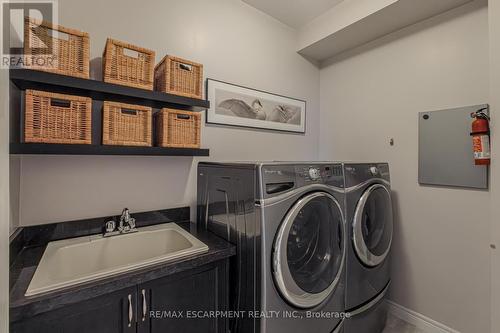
[(373, 225), (309, 250)]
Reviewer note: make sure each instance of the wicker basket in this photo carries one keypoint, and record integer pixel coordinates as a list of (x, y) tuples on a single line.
[(178, 129), (180, 77), (52, 48), (126, 124), (128, 65), (57, 118)]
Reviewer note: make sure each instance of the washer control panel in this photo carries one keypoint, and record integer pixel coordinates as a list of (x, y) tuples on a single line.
[(320, 173), (374, 170), (314, 174)]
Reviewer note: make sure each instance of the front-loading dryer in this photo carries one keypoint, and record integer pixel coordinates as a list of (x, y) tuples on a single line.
[(370, 229), (287, 220)]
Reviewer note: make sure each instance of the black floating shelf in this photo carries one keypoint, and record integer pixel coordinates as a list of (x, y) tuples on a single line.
[(98, 90), (69, 149)]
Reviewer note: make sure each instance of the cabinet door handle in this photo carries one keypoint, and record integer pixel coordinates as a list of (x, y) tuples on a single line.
[(144, 305), (130, 312)]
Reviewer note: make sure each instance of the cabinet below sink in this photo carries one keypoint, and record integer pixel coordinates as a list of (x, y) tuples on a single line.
[(167, 305), (196, 282)]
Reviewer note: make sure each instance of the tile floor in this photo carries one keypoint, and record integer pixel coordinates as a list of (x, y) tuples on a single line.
[(395, 325)]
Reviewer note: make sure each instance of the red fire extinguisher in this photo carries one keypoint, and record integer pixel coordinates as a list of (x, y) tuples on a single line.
[(481, 137)]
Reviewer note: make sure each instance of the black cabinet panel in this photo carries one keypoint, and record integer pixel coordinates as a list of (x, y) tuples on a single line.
[(185, 303), (105, 314), (202, 291)]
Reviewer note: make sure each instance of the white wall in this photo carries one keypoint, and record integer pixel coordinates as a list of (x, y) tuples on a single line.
[(494, 24), (4, 201), (236, 43), (337, 18), (441, 262), (441, 266)]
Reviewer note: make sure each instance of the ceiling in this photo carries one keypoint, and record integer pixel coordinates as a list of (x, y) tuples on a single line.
[(294, 13)]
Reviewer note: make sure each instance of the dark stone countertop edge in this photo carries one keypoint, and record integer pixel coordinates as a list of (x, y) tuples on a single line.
[(24, 266)]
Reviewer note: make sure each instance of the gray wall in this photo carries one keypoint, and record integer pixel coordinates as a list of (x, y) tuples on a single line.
[(494, 24), (236, 43), (372, 94)]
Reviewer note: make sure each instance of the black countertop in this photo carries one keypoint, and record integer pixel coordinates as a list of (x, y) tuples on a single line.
[(25, 263)]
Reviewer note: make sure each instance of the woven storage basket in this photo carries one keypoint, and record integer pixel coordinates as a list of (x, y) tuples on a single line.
[(66, 51), (180, 77), (178, 129), (128, 65), (57, 118), (126, 124)]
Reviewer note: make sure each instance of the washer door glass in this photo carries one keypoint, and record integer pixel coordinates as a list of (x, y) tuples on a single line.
[(373, 225), (309, 250)]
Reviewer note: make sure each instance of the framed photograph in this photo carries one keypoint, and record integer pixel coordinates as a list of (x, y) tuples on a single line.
[(235, 105)]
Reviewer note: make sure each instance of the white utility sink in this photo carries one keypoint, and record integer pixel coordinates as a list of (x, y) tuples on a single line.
[(72, 261)]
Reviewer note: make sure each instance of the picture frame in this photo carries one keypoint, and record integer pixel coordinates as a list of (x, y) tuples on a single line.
[(235, 105)]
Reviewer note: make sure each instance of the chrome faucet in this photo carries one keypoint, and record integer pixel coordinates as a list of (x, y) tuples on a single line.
[(127, 223), (125, 226)]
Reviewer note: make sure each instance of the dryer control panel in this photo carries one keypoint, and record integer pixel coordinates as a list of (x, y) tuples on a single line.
[(358, 173)]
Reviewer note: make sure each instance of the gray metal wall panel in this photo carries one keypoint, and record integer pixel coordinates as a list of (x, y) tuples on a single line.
[(445, 149)]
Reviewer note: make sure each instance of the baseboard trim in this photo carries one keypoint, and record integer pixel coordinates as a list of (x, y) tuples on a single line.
[(418, 320)]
